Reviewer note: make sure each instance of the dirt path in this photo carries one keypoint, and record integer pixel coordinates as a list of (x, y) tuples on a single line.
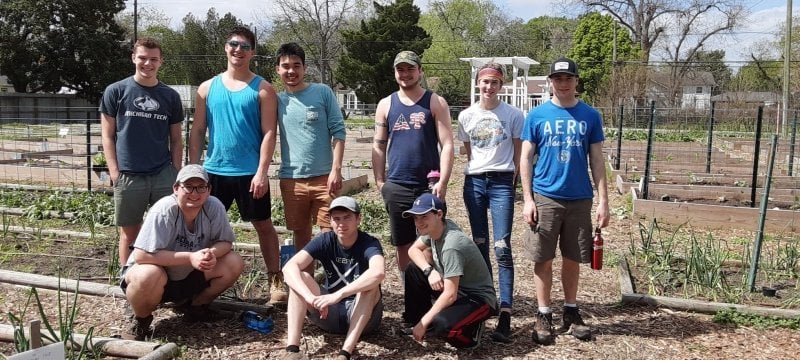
[(622, 332)]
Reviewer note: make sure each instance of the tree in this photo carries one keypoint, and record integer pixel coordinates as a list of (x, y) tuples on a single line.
[(714, 62), (548, 38), (316, 25), (465, 28), (196, 52), (49, 44), (366, 66), (597, 47), (685, 26), (759, 75)]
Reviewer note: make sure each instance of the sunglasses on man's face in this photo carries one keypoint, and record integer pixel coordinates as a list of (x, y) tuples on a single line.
[(240, 44)]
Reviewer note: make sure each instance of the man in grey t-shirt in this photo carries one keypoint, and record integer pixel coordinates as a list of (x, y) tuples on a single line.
[(182, 255), (140, 126)]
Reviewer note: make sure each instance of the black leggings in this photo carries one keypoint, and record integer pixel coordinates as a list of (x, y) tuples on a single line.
[(463, 314)]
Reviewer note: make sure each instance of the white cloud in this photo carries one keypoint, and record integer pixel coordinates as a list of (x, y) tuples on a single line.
[(762, 26)]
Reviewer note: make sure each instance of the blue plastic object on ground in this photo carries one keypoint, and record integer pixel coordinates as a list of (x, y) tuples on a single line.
[(254, 321)]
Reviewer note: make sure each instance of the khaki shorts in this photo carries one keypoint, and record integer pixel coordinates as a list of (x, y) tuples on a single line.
[(340, 314), (305, 201), (133, 194), (563, 223)]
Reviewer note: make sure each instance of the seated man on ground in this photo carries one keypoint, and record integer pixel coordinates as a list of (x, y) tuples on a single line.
[(182, 254), (349, 302), (446, 267)]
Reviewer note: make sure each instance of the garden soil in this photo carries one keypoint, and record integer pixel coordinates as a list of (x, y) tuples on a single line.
[(621, 331)]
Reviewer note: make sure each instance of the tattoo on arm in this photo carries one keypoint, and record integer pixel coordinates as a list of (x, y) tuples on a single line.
[(381, 141), (382, 124)]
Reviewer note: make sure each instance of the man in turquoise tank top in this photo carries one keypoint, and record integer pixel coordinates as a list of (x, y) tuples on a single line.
[(239, 110), (411, 125), (312, 146)]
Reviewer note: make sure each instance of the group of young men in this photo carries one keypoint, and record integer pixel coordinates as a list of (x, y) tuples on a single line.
[(181, 251)]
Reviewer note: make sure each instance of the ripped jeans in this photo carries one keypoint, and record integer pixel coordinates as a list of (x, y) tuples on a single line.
[(493, 191)]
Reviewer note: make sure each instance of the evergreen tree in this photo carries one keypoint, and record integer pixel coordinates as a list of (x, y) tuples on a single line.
[(49, 44), (714, 62), (593, 50), (366, 66)]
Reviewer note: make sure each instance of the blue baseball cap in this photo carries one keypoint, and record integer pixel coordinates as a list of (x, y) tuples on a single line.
[(424, 204)]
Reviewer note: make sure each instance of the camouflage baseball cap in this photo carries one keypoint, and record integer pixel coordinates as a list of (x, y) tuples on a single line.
[(408, 57)]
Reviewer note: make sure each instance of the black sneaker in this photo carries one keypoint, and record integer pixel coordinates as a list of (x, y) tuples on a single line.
[(137, 328), (543, 329), (572, 322), (476, 338), (502, 333), (199, 313)]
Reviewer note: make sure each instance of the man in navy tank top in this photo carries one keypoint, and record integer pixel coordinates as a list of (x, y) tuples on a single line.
[(412, 126), (239, 109)]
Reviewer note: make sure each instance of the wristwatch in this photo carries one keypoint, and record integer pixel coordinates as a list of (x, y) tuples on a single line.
[(427, 271)]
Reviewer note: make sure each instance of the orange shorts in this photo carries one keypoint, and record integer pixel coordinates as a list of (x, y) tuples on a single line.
[(305, 202)]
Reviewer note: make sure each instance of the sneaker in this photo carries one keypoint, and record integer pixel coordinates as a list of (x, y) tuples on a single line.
[(476, 339), (572, 322), (543, 329), (289, 355), (502, 333), (199, 313), (137, 328), (277, 289)]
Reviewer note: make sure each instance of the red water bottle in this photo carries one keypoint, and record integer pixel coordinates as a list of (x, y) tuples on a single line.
[(597, 250)]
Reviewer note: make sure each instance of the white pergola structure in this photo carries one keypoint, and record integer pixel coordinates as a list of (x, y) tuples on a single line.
[(515, 93)]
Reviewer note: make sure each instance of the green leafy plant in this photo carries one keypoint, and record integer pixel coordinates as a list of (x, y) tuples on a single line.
[(278, 212), (374, 218), (113, 267), (87, 208), (733, 317), (704, 264), (99, 159), (66, 316)]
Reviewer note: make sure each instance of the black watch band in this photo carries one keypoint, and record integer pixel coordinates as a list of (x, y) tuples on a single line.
[(427, 271)]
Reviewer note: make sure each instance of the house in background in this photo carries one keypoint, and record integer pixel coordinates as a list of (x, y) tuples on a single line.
[(690, 92), (522, 91), (5, 87), (765, 98), (348, 100), (538, 90)]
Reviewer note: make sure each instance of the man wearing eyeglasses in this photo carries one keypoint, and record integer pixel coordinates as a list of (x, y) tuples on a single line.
[(239, 109), (140, 126), (182, 254)]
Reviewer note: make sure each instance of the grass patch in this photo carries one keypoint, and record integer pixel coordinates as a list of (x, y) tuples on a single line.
[(733, 317)]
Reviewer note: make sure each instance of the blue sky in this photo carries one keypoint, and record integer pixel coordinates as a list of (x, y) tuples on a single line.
[(766, 16)]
